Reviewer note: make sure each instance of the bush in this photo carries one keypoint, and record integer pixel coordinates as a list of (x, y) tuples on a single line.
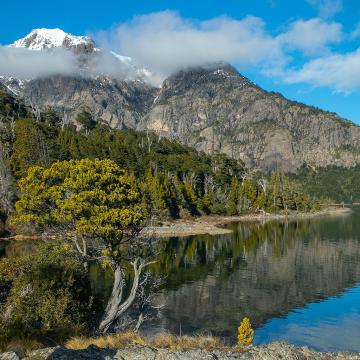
[(44, 294), (245, 332)]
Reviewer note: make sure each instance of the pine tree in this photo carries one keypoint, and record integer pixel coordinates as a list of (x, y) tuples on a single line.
[(86, 121), (234, 197)]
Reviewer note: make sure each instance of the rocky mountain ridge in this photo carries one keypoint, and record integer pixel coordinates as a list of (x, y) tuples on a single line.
[(90, 59), (212, 108), (217, 109)]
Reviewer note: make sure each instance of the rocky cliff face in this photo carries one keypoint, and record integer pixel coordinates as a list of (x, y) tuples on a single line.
[(120, 103), (212, 109), (216, 109)]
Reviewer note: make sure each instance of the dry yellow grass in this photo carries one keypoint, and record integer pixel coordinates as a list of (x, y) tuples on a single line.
[(208, 343), (114, 341), (23, 346), (121, 339)]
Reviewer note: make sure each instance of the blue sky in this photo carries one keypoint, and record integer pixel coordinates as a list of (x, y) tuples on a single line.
[(308, 50)]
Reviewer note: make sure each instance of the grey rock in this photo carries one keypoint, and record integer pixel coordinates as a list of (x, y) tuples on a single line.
[(217, 109), (271, 351), (60, 353), (211, 108), (11, 355), (120, 103)]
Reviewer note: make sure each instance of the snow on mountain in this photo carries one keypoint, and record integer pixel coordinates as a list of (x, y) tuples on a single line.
[(40, 39), (13, 85), (139, 72), (103, 63)]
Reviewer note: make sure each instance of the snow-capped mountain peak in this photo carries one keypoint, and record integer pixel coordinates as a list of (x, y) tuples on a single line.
[(40, 39), (89, 60)]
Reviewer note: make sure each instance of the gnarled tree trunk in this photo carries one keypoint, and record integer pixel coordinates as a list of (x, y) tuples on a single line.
[(116, 306)]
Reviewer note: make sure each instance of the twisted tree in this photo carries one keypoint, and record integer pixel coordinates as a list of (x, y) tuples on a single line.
[(95, 205)]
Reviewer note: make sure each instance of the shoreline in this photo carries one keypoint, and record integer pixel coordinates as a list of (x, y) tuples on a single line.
[(271, 351), (212, 225)]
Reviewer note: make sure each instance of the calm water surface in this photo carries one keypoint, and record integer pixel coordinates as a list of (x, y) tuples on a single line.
[(298, 281)]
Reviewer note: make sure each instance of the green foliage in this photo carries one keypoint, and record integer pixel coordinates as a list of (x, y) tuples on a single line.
[(35, 144), (10, 108), (175, 180), (92, 198), (234, 197), (50, 117), (44, 293), (332, 182), (86, 120)]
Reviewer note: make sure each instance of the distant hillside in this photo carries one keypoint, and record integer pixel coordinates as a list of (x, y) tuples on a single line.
[(337, 183)]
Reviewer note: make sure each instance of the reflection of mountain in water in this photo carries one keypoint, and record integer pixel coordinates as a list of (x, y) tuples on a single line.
[(260, 271)]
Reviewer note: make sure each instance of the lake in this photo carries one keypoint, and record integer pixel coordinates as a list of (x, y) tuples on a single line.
[(298, 281)]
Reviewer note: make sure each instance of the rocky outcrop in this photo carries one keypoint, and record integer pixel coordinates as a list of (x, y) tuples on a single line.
[(120, 103), (211, 108), (266, 352), (217, 109)]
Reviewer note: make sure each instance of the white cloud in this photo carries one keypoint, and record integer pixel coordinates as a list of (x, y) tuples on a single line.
[(327, 8), (25, 64), (337, 71), (165, 42), (311, 36)]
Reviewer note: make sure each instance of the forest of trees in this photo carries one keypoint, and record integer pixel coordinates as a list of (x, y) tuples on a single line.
[(93, 189), (338, 184), (176, 181)]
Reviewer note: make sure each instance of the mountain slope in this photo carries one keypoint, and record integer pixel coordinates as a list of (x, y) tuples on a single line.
[(217, 109), (120, 103), (212, 108), (120, 97)]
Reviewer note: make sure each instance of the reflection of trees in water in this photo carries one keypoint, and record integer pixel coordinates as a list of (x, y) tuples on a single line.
[(16, 248), (262, 270), (188, 259)]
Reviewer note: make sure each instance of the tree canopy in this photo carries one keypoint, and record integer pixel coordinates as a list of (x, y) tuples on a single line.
[(91, 198)]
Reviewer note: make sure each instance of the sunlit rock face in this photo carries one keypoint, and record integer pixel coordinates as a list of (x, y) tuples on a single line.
[(122, 104), (213, 107)]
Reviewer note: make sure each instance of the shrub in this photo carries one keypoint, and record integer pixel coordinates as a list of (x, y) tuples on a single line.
[(245, 332), (44, 294)]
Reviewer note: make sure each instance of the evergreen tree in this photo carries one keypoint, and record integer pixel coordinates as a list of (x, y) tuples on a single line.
[(86, 121), (234, 198), (35, 144)]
